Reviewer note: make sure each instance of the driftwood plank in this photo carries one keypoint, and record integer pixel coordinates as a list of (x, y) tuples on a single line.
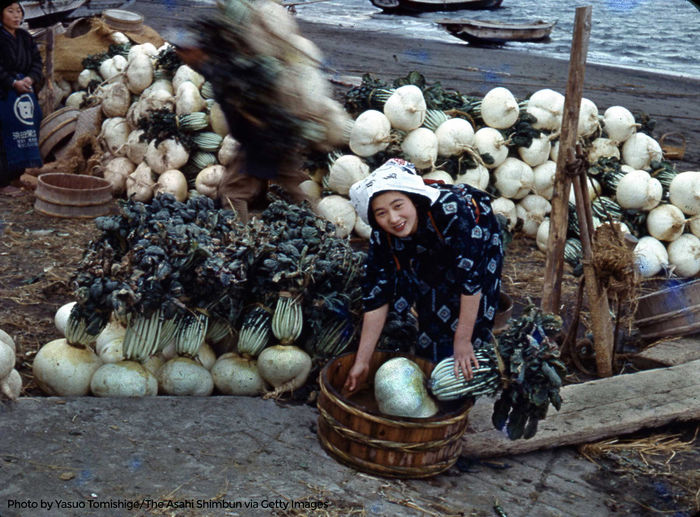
[(595, 410), (668, 353)]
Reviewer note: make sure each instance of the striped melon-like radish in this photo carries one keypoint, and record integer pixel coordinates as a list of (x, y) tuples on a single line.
[(287, 320)]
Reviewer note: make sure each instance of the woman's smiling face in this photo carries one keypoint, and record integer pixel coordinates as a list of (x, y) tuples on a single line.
[(395, 213)]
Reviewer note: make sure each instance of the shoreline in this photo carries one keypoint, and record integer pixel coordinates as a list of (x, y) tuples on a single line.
[(673, 101), (372, 19), (510, 49)]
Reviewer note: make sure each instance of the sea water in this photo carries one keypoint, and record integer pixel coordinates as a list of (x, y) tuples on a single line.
[(655, 35)]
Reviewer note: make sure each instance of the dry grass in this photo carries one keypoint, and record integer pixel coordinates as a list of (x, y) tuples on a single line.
[(654, 451), (394, 493), (657, 456), (523, 272), (38, 255)]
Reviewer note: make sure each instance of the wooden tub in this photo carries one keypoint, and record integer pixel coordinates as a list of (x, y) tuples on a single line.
[(56, 129), (72, 195), (356, 434)]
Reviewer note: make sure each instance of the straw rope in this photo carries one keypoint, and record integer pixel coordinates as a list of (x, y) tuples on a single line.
[(423, 424), (390, 471), (387, 444)]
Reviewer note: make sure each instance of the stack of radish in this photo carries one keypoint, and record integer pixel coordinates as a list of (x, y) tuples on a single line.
[(628, 178)]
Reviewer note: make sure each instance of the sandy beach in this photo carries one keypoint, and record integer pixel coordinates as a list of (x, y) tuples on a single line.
[(674, 102)]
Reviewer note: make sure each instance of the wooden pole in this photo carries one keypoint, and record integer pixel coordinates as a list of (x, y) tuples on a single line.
[(50, 43), (598, 304), (597, 297), (559, 218)]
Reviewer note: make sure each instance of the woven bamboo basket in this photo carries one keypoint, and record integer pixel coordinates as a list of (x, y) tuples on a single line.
[(356, 434), (56, 129), (89, 121)]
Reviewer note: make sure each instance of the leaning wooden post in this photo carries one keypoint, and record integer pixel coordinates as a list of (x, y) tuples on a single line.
[(50, 43), (559, 218), (599, 307), (597, 297)]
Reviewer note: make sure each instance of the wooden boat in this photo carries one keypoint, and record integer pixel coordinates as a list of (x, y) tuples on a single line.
[(96, 7), (492, 32), (42, 13), (421, 6)]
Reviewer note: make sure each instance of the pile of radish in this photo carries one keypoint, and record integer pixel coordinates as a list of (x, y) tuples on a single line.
[(188, 367), (182, 298), (629, 180)]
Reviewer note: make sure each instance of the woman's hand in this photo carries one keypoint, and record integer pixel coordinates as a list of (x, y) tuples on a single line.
[(23, 85), (372, 325), (464, 358), (357, 376)]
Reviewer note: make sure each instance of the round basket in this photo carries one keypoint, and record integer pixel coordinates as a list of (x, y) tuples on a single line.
[(55, 129), (72, 195), (121, 20), (364, 439)]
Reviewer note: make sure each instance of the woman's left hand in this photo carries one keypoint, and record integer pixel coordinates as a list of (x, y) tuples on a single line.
[(24, 85), (464, 358)]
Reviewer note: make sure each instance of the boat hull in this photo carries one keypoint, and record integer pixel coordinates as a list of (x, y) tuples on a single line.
[(422, 6), (40, 13), (481, 32), (95, 7), (43, 14)]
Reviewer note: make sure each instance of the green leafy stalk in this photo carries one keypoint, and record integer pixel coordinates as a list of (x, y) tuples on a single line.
[(287, 320), (255, 332), (532, 372)]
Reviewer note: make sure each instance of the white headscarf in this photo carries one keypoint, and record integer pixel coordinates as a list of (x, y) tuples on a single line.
[(395, 175)]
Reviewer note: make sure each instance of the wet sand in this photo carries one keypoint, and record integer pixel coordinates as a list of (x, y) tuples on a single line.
[(674, 102)]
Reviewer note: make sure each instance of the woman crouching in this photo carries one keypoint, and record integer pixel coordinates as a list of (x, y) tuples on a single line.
[(437, 247)]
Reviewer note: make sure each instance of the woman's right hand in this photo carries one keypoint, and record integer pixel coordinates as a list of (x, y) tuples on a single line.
[(357, 376), (372, 325)]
